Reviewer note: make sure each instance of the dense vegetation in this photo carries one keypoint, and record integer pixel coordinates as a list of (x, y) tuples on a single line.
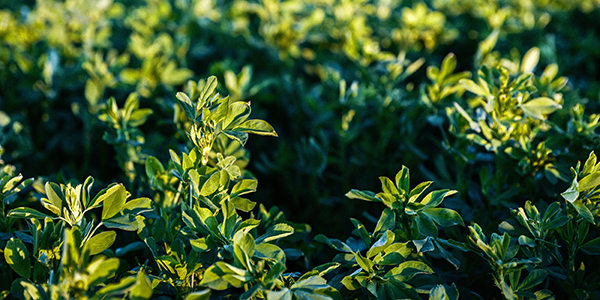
[(125, 149)]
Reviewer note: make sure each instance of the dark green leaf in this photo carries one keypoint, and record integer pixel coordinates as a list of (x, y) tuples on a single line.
[(443, 216), (387, 221), (333, 243), (17, 257), (424, 245), (403, 179), (362, 231), (187, 105), (592, 247), (583, 211), (241, 137), (534, 278), (384, 241)]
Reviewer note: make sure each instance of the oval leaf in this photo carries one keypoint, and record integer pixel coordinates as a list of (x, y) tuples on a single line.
[(100, 242), (260, 127), (17, 257), (539, 107), (114, 200), (26, 213)]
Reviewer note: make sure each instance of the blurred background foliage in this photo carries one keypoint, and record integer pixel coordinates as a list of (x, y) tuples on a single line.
[(354, 88)]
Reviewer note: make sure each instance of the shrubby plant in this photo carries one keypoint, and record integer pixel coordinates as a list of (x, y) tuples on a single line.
[(141, 180)]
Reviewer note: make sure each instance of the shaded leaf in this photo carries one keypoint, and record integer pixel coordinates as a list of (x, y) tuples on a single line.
[(17, 257)]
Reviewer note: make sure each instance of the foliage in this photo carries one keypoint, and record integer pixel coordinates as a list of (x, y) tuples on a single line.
[(141, 183)]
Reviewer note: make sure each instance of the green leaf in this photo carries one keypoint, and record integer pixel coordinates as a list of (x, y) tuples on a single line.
[(243, 204), (388, 186), (243, 246), (590, 164), (259, 127), (435, 198), (54, 201), (153, 167), (589, 182), (486, 46), (572, 193), (539, 107), (403, 179), (142, 288), (237, 114), (101, 270), (270, 252), (229, 218), (100, 242), (202, 295), (409, 269), (207, 89), (283, 294), (530, 60), (583, 211), (211, 185), (362, 231), (592, 247), (114, 200), (244, 187), (199, 245), (362, 195), (424, 245), (426, 226), (17, 257), (444, 292), (364, 263), (534, 278), (124, 222), (443, 216), (472, 87), (137, 206), (526, 241), (26, 213), (384, 241), (187, 105), (387, 221), (333, 243), (447, 255), (418, 190), (241, 137), (116, 289), (275, 232)]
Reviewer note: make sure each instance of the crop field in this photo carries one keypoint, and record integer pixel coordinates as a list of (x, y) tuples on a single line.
[(405, 149)]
